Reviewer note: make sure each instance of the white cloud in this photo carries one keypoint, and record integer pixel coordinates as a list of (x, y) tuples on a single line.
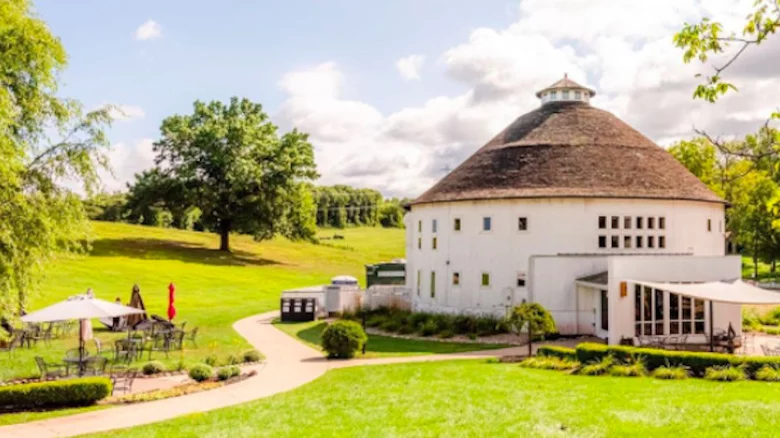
[(126, 160), (148, 30), (633, 65), (126, 112), (410, 66)]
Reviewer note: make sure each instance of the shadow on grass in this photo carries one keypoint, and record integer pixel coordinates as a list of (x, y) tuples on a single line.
[(154, 249)]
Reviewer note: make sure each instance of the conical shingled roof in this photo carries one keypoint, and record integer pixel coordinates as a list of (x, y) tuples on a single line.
[(569, 150)]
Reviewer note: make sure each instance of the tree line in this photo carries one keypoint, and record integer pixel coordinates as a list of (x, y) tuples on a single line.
[(148, 201)]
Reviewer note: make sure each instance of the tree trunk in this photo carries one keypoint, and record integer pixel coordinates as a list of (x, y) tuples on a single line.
[(530, 339), (224, 236), (755, 267)]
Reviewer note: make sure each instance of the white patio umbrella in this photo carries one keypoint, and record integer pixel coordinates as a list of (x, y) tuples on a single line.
[(82, 308)]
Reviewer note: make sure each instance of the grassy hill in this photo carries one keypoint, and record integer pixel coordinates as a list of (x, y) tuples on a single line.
[(213, 289)]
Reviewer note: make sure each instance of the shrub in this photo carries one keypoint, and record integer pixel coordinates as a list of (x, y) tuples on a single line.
[(390, 325), (223, 374), (232, 359), (342, 339), (252, 356), (770, 318), (670, 373), (375, 320), (768, 374), (234, 371), (725, 374), (465, 324), (417, 319), (211, 360), (487, 325), (750, 320), (201, 372), (152, 368), (774, 331), (597, 368), (444, 323), (446, 334), (632, 370), (428, 328), (406, 329), (560, 352), (549, 363), (55, 394)]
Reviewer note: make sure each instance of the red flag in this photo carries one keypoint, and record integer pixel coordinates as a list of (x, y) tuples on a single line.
[(171, 308)]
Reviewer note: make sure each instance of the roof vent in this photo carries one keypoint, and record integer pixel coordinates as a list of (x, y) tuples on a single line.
[(565, 90)]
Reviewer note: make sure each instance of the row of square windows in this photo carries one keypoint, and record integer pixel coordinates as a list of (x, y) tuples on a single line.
[(484, 281), (637, 242), (487, 224), (630, 221)]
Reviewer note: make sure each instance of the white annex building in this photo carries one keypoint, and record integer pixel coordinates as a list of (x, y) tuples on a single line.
[(573, 209)]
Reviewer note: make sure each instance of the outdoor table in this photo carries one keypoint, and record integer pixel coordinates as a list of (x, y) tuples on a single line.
[(81, 363)]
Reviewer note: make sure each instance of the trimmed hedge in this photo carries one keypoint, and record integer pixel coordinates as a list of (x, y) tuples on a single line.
[(696, 362), (201, 372), (559, 352), (342, 339), (55, 394)]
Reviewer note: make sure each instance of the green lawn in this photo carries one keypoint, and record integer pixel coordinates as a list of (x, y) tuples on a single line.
[(26, 417), (473, 398), (214, 290), (382, 346)]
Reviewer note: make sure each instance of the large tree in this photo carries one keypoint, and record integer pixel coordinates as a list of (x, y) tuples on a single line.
[(237, 169), (45, 140)]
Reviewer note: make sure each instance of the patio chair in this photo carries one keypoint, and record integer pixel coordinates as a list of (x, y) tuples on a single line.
[(95, 366), (177, 341), (191, 337), (50, 370), (42, 334), (124, 351), (123, 377), (160, 342)]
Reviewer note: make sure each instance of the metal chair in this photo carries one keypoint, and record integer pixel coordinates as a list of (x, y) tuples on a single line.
[(124, 351), (51, 370), (95, 366), (191, 336), (40, 333), (123, 377)]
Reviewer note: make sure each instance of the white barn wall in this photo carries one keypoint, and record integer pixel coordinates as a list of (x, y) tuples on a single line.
[(669, 269), (555, 226)]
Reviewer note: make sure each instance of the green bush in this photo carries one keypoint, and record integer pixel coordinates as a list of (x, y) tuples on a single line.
[(465, 324), (201, 372), (696, 362), (232, 359), (725, 374), (446, 334), (597, 367), (252, 356), (342, 339), (632, 370), (768, 374), (152, 368), (223, 374), (549, 363), (560, 352), (417, 319), (405, 329), (55, 394), (211, 360), (428, 328), (670, 373), (234, 371), (376, 320), (750, 320), (390, 325), (774, 331), (770, 318)]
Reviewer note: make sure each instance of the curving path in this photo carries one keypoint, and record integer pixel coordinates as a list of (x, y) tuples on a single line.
[(288, 365)]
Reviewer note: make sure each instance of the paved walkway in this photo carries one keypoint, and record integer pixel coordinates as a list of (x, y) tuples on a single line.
[(288, 365)]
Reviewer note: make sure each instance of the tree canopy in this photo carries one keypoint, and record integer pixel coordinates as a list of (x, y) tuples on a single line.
[(230, 162), (45, 140)]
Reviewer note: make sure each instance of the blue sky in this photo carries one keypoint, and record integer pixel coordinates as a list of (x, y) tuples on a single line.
[(331, 69)]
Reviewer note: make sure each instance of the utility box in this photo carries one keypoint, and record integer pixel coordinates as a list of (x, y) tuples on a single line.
[(387, 273), (298, 309)]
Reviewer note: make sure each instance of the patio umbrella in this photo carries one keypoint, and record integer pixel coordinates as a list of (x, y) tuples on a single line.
[(83, 308), (137, 302), (171, 308)]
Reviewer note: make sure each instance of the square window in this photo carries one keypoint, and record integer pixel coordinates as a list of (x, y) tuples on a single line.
[(521, 279), (662, 241), (456, 278), (602, 222), (650, 223), (456, 224), (651, 241), (638, 241), (578, 95), (522, 224), (565, 94), (554, 95), (434, 243), (627, 222), (486, 224), (615, 241), (639, 222), (434, 225), (602, 241), (661, 223), (419, 243), (615, 222), (485, 279), (626, 241)]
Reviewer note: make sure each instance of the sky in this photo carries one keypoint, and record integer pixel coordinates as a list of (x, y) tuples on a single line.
[(394, 94)]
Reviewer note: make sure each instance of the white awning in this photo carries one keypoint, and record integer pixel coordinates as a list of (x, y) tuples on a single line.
[(79, 307), (735, 292)]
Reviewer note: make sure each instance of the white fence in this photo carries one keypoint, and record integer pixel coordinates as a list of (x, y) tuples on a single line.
[(387, 296)]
